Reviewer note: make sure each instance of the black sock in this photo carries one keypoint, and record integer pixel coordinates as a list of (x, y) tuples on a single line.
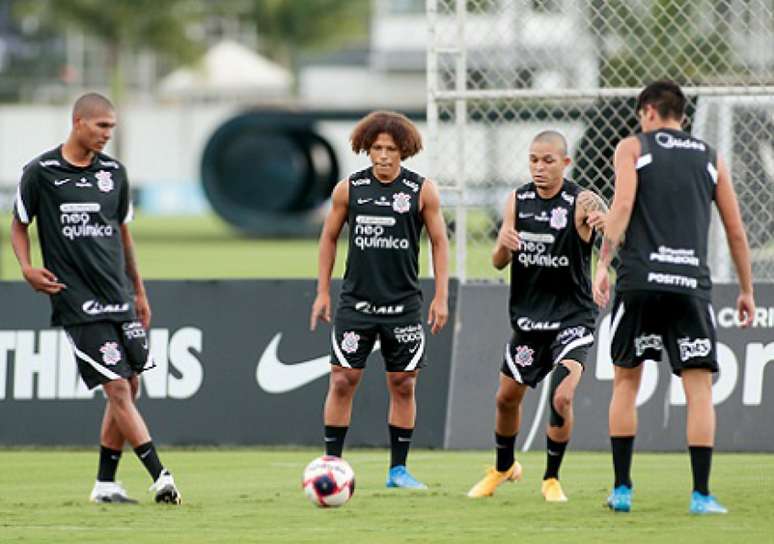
[(622, 459), (701, 461), (334, 439), (400, 442), (147, 454), (554, 456), (504, 449), (108, 464)]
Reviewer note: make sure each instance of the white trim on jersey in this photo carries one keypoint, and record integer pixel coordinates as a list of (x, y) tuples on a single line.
[(129, 213), (713, 172), (24, 217), (417, 356), (582, 341), (511, 364), (109, 374), (643, 161), (616, 320), (337, 350)]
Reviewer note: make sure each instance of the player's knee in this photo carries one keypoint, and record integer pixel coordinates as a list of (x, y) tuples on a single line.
[(506, 400), (119, 392), (561, 399), (562, 403), (342, 384), (402, 385)]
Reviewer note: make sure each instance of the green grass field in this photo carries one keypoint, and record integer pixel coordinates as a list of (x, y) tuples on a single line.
[(195, 247), (252, 495)]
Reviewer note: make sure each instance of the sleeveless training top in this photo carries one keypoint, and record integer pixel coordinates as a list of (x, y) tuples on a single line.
[(665, 248), (382, 273), (551, 273)]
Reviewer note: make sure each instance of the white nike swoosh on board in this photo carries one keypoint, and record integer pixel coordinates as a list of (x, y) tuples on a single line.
[(274, 376)]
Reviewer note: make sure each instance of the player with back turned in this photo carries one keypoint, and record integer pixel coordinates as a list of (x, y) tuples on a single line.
[(386, 206), (665, 183), (80, 198)]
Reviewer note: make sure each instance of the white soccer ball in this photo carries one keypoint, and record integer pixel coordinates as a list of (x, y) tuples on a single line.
[(329, 481)]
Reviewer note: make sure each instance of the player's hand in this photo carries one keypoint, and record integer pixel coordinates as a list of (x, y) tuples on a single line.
[(43, 280), (597, 220), (509, 238), (321, 309), (745, 308), (142, 306), (438, 314), (601, 287)]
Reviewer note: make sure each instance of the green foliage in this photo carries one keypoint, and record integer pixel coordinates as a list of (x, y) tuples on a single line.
[(287, 27), (254, 495), (684, 40), (159, 25)]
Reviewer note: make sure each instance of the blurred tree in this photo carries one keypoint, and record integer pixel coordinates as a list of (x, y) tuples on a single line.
[(684, 40), (123, 27), (288, 27)]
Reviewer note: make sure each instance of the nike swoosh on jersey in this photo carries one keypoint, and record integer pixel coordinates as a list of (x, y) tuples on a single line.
[(59, 182), (274, 376)]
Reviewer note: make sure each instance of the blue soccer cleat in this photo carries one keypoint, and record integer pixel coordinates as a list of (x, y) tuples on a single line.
[(620, 500), (706, 504), (399, 476)]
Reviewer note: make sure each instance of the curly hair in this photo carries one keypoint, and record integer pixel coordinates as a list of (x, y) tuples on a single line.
[(397, 125)]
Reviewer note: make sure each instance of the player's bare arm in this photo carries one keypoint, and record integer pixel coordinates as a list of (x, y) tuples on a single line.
[(625, 164), (507, 238), (590, 214), (728, 207), (141, 304), (40, 279), (430, 208), (321, 308)]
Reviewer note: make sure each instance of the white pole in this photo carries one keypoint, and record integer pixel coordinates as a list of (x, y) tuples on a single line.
[(460, 116)]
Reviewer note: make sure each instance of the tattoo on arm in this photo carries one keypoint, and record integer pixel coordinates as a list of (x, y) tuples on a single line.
[(590, 201)]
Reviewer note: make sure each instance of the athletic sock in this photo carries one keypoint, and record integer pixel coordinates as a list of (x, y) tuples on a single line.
[(147, 454), (504, 449), (334, 439), (554, 456), (701, 461), (622, 447), (400, 442), (108, 464)]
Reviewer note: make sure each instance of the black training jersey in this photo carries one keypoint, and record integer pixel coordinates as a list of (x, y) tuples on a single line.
[(79, 211), (665, 248), (551, 272), (382, 273)]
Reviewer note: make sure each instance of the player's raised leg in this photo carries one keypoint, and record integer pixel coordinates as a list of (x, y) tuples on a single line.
[(563, 382), (510, 394)]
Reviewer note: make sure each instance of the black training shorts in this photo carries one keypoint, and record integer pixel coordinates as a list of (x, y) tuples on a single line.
[(530, 356), (644, 324), (106, 350)]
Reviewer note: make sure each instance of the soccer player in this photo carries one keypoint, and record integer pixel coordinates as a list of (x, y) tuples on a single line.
[(546, 236), (386, 207), (81, 199), (665, 182)]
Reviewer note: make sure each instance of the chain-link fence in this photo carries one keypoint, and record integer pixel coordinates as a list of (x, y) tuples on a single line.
[(499, 71)]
